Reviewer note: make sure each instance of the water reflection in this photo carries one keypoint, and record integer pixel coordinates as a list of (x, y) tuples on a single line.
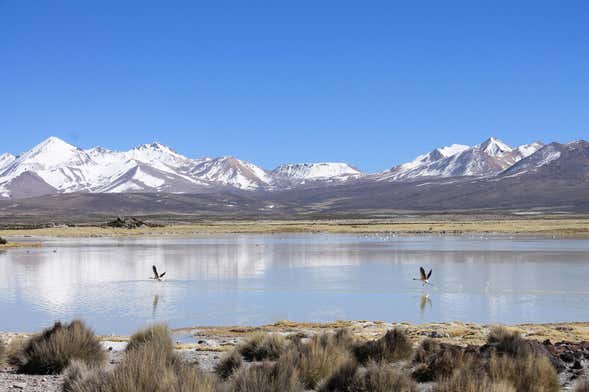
[(253, 279)]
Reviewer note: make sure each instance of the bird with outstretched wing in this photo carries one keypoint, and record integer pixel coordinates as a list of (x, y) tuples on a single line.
[(156, 275)]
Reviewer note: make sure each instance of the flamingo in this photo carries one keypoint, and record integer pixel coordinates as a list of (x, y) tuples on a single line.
[(423, 276), (157, 276)]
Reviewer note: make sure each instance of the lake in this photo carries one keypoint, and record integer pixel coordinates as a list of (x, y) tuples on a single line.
[(254, 279)]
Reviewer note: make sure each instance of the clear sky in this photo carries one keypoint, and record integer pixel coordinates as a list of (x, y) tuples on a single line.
[(372, 83)]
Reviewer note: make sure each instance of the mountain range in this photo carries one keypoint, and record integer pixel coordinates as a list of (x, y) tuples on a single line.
[(488, 175)]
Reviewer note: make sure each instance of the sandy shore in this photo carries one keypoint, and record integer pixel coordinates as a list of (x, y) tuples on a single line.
[(461, 225)]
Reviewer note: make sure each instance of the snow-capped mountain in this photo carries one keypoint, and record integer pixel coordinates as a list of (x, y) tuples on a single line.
[(231, 171), (485, 159), (55, 166), (300, 173)]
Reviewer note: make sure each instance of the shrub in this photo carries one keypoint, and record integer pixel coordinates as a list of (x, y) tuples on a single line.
[(509, 342), (261, 346), (441, 363), (156, 334), (374, 378), (315, 360), (228, 364), (465, 381), (52, 351), (582, 386), (2, 352), (148, 367), (393, 346), (265, 377), (3, 241), (425, 350), (529, 373)]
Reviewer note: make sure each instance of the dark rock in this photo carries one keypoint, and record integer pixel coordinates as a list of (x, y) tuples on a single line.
[(577, 365), (567, 357)]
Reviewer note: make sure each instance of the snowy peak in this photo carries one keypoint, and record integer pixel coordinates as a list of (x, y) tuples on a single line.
[(494, 147), (5, 160), (230, 171), (314, 171), (453, 149)]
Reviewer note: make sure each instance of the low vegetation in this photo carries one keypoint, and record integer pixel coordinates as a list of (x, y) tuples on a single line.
[(325, 362), (149, 365), (3, 241), (317, 359), (155, 335), (261, 346), (395, 345), (265, 377), (2, 352), (51, 351), (228, 364), (375, 377)]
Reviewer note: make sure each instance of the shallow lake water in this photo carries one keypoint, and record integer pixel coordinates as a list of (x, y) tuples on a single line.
[(255, 279)]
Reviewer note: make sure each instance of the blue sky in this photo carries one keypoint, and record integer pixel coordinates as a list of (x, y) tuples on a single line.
[(370, 83)]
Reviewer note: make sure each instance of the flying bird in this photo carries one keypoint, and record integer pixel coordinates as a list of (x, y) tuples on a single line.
[(423, 276), (156, 275)]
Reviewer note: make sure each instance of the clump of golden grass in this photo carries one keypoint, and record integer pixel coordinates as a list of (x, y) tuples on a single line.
[(425, 349), (228, 364), (582, 386), (261, 346), (2, 352), (375, 377), (395, 345), (509, 342), (526, 373), (148, 366), (440, 362), (468, 379), (154, 335), (265, 377), (51, 351), (316, 359)]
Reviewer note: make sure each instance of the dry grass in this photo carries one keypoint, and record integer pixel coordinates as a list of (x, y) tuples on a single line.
[(441, 363), (262, 346), (464, 224), (469, 380), (154, 335), (147, 367), (509, 342), (527, 374), (228, 364), (52, 351), (395, 345), (266, 377), (375, 377), (317, 359), (2, 352)]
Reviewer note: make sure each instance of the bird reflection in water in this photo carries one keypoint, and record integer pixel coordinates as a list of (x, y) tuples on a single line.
[(156, 300), (425, 300)]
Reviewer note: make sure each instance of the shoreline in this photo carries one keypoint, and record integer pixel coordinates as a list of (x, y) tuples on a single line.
[(562, 228)]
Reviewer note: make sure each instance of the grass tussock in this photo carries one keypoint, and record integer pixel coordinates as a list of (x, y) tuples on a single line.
[(147, 367), (228, 364), (509, 342), (395, 345), (465, 380), (2, 352), (425, 350), (375, 377), (51, 351), (317, 359), (262, 346), (154, 335), (440, 362), (525, 373), (265, 377)]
